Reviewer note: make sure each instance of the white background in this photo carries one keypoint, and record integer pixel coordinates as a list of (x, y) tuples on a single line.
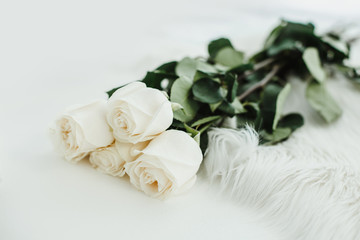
[(57, 53)]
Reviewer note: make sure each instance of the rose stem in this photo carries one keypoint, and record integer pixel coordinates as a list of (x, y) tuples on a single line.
[(262, 83), (256, 67)]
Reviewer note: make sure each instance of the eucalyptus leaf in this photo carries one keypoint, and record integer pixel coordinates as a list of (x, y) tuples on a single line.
[(180, 93), (296, 31), (200, 75), (238, 107), (286, 45), (242, 68), (232, 85), (272, 104), (278, 135), (168, 67), (228, 56), (227, 108), (232, 108), (273, 36), (292, 121), (234, 89), (187, 68), (176, 106), (216, 45), (313, 63), (207, 91), (337, 44), (250, 116), (154, 79), (280, 101), (214, 106), (205, 67), (320, 99), (111, 92)]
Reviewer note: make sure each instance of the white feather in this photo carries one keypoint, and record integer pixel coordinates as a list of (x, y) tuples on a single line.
[(309, 186)]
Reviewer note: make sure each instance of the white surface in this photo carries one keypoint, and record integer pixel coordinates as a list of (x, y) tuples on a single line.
[(57, 53)]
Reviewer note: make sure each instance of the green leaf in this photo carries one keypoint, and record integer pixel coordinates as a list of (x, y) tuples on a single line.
[(292, 121), (238, 107), (200, 75), (273, 36), (232, 108), (205, 120), (296, 31), (234, 89), (287, 44), (280, 101), (278, 135), (176, 106), (214, 106), (241, 68), (206, 127), (221, 68), (232, 86), (154, 79), (216, 45), (186, 68), (227, 108), (207, 91), (205, 67), (272, 103), (191, 130), (313, 63), (228, 56), (111, 92), (251, 115), (167, 67), (337, 44), (320, 99), (180, 93)]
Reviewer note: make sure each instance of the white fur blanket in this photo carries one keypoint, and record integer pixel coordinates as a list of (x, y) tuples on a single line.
[(309, 185)]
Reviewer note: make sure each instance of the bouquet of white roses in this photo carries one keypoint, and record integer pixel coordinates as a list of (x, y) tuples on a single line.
[(155, 130), (128, 134)]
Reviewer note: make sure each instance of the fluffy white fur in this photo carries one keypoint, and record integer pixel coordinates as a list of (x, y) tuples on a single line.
[(309, 186)]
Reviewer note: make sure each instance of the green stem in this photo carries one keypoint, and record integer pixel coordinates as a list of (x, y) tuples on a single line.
[(257, 67), (262, 83)]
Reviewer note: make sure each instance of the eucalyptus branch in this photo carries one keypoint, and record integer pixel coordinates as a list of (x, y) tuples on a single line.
[(262, 64), (211, 91), (262, 83), (257, 67)]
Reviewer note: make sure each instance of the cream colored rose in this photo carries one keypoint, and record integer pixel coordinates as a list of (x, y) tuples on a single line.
[(81, 130), (168, 165), (111, 160), (137, 113)]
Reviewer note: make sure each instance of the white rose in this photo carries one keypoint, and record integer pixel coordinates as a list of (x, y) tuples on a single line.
[(111, 160), (137, 113), (168, 165), (81, 130)]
